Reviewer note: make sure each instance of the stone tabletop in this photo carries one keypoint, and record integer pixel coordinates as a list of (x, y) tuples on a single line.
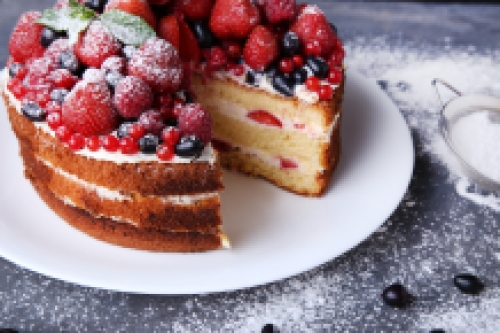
[(444, 225)]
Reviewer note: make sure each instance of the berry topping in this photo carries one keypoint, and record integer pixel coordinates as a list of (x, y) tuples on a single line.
[(264, 117), (88, 109), (128, 146), (189, 49), (123, 130), (251, 78), (468, 284), (261, 48), (196, 9), (216, 58), (112, 78), (93, 143), (69, 61), (39, 70), (63, 133), (128, 51), (285, 85), (96, 5), (158, 63), (396, 295), (313, 84), (24, 41), (204, 36), (318, 66), (151, 121), (53, 107), (195, 120), (335, 76), (17, 70), (139, 8), (165, 152), (325, 92), (280, 10), (286, 65), (168, 29), (58, 95), (233, 18), (54, 120), (33, 111), (148, 143), (110, 143), (170, 136), (132, 97), (48, 36), (96, 44), (62, 78), (189, 146), (76, 141), (115, 63), (290, 43), (299, 76), (298, 61)]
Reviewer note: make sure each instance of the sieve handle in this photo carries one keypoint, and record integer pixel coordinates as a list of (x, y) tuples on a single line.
[(447, 85)]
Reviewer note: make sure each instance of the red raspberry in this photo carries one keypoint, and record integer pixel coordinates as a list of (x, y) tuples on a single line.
[(136, 131), (39, 70), (233, 49), (16, 87), (54, 120), (312, 26), (337, 57), (170, 136), (93, 143), (298, 61), (96, 44), (128, 146), (88, 109), (115, 63), (195, 120), (62, 78), (335, 76), (76, 141), (313, 48), (216, 58), (63, 133), (110, 143), (24, 41), (53, 107), (55, 49), (286, 65), (237, 70), (233, 18), (158, 63), (280, 10), (313, 84), (325, 92), (261, 48), (165, 152), (151, 121), (163, 100), (132, 97), (196, 9)]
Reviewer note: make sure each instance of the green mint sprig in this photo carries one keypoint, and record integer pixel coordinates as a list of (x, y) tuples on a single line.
[(127, 28)]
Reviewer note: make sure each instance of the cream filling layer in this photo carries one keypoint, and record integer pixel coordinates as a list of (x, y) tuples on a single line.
[(208, 154), (105, 193)]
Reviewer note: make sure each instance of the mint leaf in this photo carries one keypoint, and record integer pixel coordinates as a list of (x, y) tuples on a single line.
[(72, 19), (128, 28)]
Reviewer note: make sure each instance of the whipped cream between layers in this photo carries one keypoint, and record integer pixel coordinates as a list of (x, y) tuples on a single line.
[(208, 154)]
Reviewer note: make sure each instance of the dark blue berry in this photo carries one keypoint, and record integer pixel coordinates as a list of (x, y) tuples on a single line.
[(283, 84), (290, 44), (112, 79), (318, 66), (96, 5), (148, 143), (33, 111), (69, 61), (334, 28), (14, 69), (189, 146), (272, 70), (251, 78), (48, 36), (269, 328), (468, 284), (128, 51), (58, 95), (396, 295), (171, 122), (123, 130), (299, 75), (203, 35)]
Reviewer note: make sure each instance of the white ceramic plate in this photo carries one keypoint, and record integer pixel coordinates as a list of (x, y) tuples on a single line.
[(274, 234)]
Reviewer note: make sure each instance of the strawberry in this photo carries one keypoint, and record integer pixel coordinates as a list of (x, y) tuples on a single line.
[(195, 9), (264, 117), (24, 41), (195, 120), (261, 48), (132, 97), (233, 18), (280, 10), (313, 27), (135, 7), (96, 44), (189, 48), (88, 109), (168, 29), (158, 63)]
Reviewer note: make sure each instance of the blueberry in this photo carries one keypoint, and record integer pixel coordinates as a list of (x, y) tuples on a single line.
[(48, 36), (58, 95), (96, 5), (189, 146), (122, 131), (290, 44), (318, 66), (396, 295), (203, 35), (334, 28), (128, 51), (69, 61), (148, 143), (299, 75), (272, 70), (112, 79), (14, 69), (33, 111), (283, 84), (269, 328), (468, 284), (251, 78)]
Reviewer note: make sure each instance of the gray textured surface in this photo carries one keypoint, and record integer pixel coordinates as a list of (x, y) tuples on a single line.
[(434, 234)]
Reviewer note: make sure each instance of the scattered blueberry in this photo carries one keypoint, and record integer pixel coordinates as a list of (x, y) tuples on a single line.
[(122, 131), (148, 143), (203, 35), (468, 284), (14, 69), (269, 328), (69, 61), (318, 66), (49, 35), (396, 295), (283, 84), (189, 146), (96, 5), (58, 95), (33, 111), (290, 44), (251, 78), (272, 70), (128, 51), (299, 75), (112, 78)]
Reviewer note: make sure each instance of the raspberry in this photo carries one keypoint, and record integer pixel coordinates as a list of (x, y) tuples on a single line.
[(298, 61), (93, 143), (280, 10), (216, 58), (313, 83), (56, 48), (128, 146), (195, 120), (24, 41), (132, 97), (110, 143), (261, 48), (136, 131), (196, 9), (63, 133), (88, 109), (335, 76), (165, 152), (53, 107), (54, 120), (286, 65), (96, 44), (158, 63), (325, 92), (151, 121), (39, 70), (62, 78), (115, 63), (233, 18), (16, 87), (76, 141), (170, 136), (233, 49)]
